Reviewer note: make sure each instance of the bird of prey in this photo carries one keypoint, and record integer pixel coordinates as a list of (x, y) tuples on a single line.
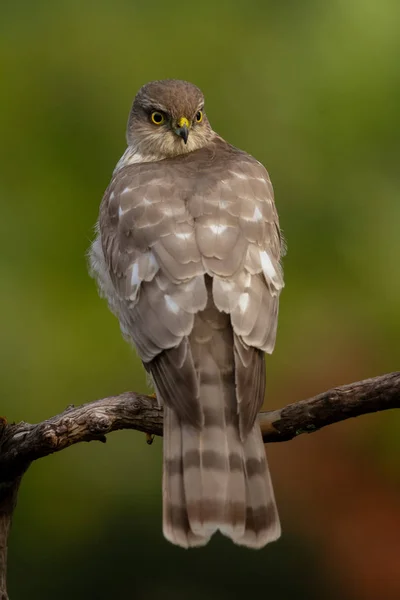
[(188, 255)]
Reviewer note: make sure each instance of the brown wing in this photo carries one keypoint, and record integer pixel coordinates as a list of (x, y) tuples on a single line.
[(152, 258), (238, 235), (163, 226)]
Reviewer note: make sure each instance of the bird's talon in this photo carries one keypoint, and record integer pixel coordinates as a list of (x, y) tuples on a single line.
[(149, 438)]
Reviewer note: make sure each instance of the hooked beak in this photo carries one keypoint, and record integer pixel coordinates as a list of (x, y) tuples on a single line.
[(183, 129)]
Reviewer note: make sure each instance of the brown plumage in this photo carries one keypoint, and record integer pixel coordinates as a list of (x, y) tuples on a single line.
[(187, 255)]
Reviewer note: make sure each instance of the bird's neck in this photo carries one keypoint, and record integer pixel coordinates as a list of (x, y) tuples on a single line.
[(141, 153)]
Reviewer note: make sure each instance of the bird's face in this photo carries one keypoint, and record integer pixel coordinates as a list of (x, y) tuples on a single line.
[(167, 119)]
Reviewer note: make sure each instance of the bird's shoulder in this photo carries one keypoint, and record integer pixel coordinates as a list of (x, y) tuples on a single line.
[(217, 161), (218, 183)]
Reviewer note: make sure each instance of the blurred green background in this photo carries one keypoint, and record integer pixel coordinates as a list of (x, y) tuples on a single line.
[(312, 90)]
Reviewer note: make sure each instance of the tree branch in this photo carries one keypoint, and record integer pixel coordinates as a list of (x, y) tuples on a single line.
[(337, 404), (22, 443)]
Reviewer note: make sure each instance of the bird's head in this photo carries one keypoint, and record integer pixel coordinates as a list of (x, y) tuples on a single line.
[(167, 119)]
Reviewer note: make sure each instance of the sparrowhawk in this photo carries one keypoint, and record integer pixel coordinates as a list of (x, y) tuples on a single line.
[(188, 256)]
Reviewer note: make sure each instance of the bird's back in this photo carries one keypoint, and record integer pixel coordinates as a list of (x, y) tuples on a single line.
[(188, 257)]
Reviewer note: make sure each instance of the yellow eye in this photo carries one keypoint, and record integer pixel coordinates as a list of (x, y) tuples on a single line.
[(157, 118), (199, 117)]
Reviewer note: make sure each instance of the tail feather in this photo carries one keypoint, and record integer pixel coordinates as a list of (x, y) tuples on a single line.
[(215, 471), (235, 508), (176, 527), (213, 480), (262, 519), (205, 456)]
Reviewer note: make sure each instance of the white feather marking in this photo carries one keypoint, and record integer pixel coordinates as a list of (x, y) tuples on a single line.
[(244, 300), (135, 280), (217, 229), (189, 285), (122, 211), (227, 286), (151, 267), (257, 215), (267, 266), (112, 195), (171, 304), (185, 235), (247, 280), (126, 190), (239, 175)]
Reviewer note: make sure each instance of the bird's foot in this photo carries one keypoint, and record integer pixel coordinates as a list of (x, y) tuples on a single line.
[(149, 438)]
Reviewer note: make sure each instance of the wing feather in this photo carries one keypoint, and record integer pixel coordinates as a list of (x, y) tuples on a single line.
[(163, 227)]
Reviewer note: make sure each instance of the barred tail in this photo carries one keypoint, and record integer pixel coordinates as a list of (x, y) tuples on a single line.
[(211, 479)]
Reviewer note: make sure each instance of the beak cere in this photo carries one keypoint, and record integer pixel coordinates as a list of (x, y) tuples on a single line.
[(183, 129)]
